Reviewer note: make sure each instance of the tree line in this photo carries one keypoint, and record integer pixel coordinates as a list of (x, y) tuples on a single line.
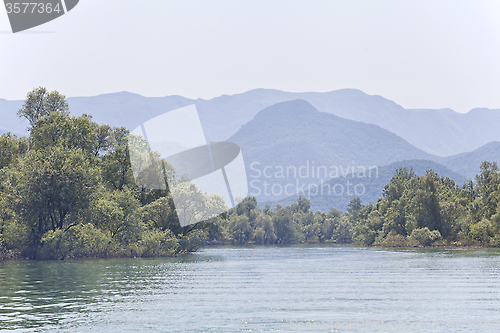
[(68, 191), (413, 211)]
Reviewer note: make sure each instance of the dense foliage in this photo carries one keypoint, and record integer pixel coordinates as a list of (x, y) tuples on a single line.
[(372, 184), (413, 211), (68, 191)]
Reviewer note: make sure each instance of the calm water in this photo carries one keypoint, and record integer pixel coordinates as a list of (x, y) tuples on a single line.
[(286, 289)]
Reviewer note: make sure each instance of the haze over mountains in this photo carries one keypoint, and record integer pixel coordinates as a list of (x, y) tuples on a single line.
[(438, 132), (368, 189), (291, 147), (340, 135), (292, 133)]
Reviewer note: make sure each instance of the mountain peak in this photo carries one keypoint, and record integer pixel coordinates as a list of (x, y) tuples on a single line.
[(296, 107)]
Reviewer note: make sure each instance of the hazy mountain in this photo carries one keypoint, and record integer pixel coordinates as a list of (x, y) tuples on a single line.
[(221, 116), (439, 132), (125, 109), (9, 121), (117, 109), (291, 147), (468, 164), (293, 144), (337, 193)]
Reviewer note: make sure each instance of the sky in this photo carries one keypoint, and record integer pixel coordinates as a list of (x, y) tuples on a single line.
[(420, 54)]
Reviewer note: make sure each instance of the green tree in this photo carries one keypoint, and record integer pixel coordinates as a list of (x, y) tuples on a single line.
[(41, 103), (283, 226), (57, 129), (488, 184), (55, 183), (116, 167), (240, 229), (193, 205), (118, 212), (264, 230), (354, 207), (12, 149), (160, 214), (427, 200)]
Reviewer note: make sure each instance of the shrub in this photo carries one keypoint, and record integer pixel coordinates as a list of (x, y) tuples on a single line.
[(83, 240), (425, 237), (393, 240), (156, 243), (192, 240), (481, 231)]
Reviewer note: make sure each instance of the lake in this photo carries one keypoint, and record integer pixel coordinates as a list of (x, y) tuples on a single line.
[(258, 289)]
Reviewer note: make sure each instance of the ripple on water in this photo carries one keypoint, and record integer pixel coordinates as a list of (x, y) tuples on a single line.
[(250, 289)]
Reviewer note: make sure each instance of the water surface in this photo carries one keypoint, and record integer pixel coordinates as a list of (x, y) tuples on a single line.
[(286, 289)]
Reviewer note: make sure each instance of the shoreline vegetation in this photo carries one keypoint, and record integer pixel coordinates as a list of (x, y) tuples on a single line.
[(68, 191)]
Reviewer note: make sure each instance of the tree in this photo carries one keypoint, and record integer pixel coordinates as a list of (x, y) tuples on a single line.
[(193, 205), (354, 207), (55, 183), (264, 232), (246, 206), (116, 167), (160, 214), (426, 198), (63, 130), (118, 213), (40, 103), (398, 184), (12, 149), (103, 133), (488, 184), (240, 229), (301, 206), (283, 226), (153, 175)]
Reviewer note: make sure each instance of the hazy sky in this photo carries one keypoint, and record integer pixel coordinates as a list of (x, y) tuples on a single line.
[(420, 54)]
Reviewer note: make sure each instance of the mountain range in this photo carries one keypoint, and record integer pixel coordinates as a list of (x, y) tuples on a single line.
[(292, 137), (339, 191), (317, 141), (441, 132)]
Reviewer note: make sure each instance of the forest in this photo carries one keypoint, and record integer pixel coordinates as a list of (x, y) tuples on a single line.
[(413, 211), (68, 191)]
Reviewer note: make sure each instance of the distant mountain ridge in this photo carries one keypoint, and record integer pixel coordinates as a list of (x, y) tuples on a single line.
[(468, 164), (340, 140), (9, 121), (291, 134), (288, 137), (369, 188), (438, 132), (295, 137)]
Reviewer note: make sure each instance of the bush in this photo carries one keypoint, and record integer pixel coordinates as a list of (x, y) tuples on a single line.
[(15, 235), (481, 231), (495, 241), (83, 240), (156, 243), (192, 240), (425, 237), (393, 240)]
